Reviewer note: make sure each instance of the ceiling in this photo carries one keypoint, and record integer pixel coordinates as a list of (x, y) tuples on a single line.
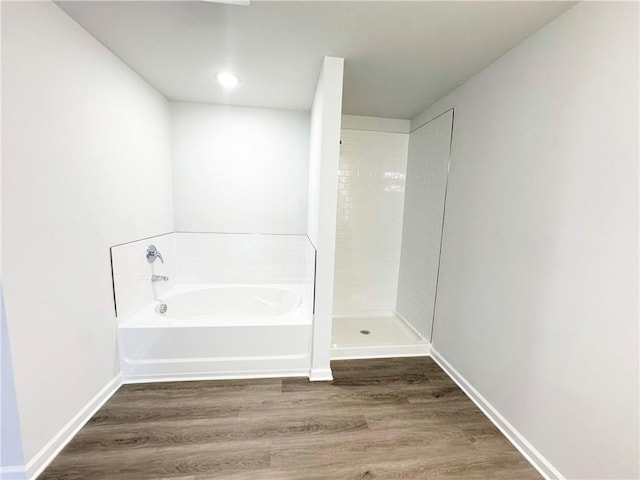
[(400, 57)]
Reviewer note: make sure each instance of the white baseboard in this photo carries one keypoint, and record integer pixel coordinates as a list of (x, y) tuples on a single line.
[(40, 460), (320, 375), (529, 452)]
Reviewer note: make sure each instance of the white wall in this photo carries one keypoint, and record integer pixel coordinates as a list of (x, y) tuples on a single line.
[(369, 222), (324, 156), (422, 226), (85, 165), (538, 296), (239, 169)]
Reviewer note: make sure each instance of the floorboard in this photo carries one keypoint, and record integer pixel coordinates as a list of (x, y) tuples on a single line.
[(399, 418)]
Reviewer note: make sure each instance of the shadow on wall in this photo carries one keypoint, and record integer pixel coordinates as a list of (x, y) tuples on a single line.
[(11, 455)]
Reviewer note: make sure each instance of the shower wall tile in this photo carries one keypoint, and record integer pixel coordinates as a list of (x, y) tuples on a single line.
[(423, 211), (369, 221), (132, 272), (243, 258), (209, 258)]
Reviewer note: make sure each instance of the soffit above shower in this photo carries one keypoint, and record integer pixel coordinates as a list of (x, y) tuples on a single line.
[(400, 56)]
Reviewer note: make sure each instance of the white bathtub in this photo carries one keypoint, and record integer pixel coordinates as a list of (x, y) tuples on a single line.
[(219, 331), (233, 305)]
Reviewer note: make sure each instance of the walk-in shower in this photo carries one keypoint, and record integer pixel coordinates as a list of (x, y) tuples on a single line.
[(391, 196)]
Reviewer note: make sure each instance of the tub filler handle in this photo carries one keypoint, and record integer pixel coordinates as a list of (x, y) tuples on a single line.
[(153, 253)]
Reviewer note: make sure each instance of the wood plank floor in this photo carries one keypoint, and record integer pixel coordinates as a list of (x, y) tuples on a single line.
[(399, 418)]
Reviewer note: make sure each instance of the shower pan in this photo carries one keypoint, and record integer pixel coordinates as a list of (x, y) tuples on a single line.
[(375, 336)]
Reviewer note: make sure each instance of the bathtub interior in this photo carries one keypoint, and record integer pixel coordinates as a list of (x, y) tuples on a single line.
[(237, 306), (204, 305), (232, 301)]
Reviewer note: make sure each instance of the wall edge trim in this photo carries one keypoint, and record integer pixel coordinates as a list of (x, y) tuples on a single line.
[(320, 375)]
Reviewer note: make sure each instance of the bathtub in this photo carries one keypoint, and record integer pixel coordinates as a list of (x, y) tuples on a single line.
[(219, 331)]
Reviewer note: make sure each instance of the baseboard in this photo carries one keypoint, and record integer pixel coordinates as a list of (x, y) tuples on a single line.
[(40, 460), (535, 458), (320, 375), (129, 379)]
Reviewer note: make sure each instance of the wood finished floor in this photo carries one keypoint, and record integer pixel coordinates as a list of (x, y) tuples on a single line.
[(399, 418)]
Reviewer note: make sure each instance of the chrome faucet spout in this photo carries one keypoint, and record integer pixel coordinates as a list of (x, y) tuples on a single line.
[(159, 278)]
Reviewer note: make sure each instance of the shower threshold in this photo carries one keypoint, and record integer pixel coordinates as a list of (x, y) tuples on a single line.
[(375, 336)]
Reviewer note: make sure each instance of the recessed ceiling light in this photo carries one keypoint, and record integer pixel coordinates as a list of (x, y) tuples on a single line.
[(227, 79)]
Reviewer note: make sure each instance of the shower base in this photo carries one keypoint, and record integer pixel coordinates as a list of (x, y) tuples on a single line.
[(375, 336)]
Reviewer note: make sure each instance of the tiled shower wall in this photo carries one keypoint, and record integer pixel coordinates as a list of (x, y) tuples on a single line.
[(244, 258), (209, 258), (423, 212), (369, 223)]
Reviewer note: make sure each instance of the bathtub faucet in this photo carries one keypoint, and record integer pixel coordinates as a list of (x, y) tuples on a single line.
[(159, 278)]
